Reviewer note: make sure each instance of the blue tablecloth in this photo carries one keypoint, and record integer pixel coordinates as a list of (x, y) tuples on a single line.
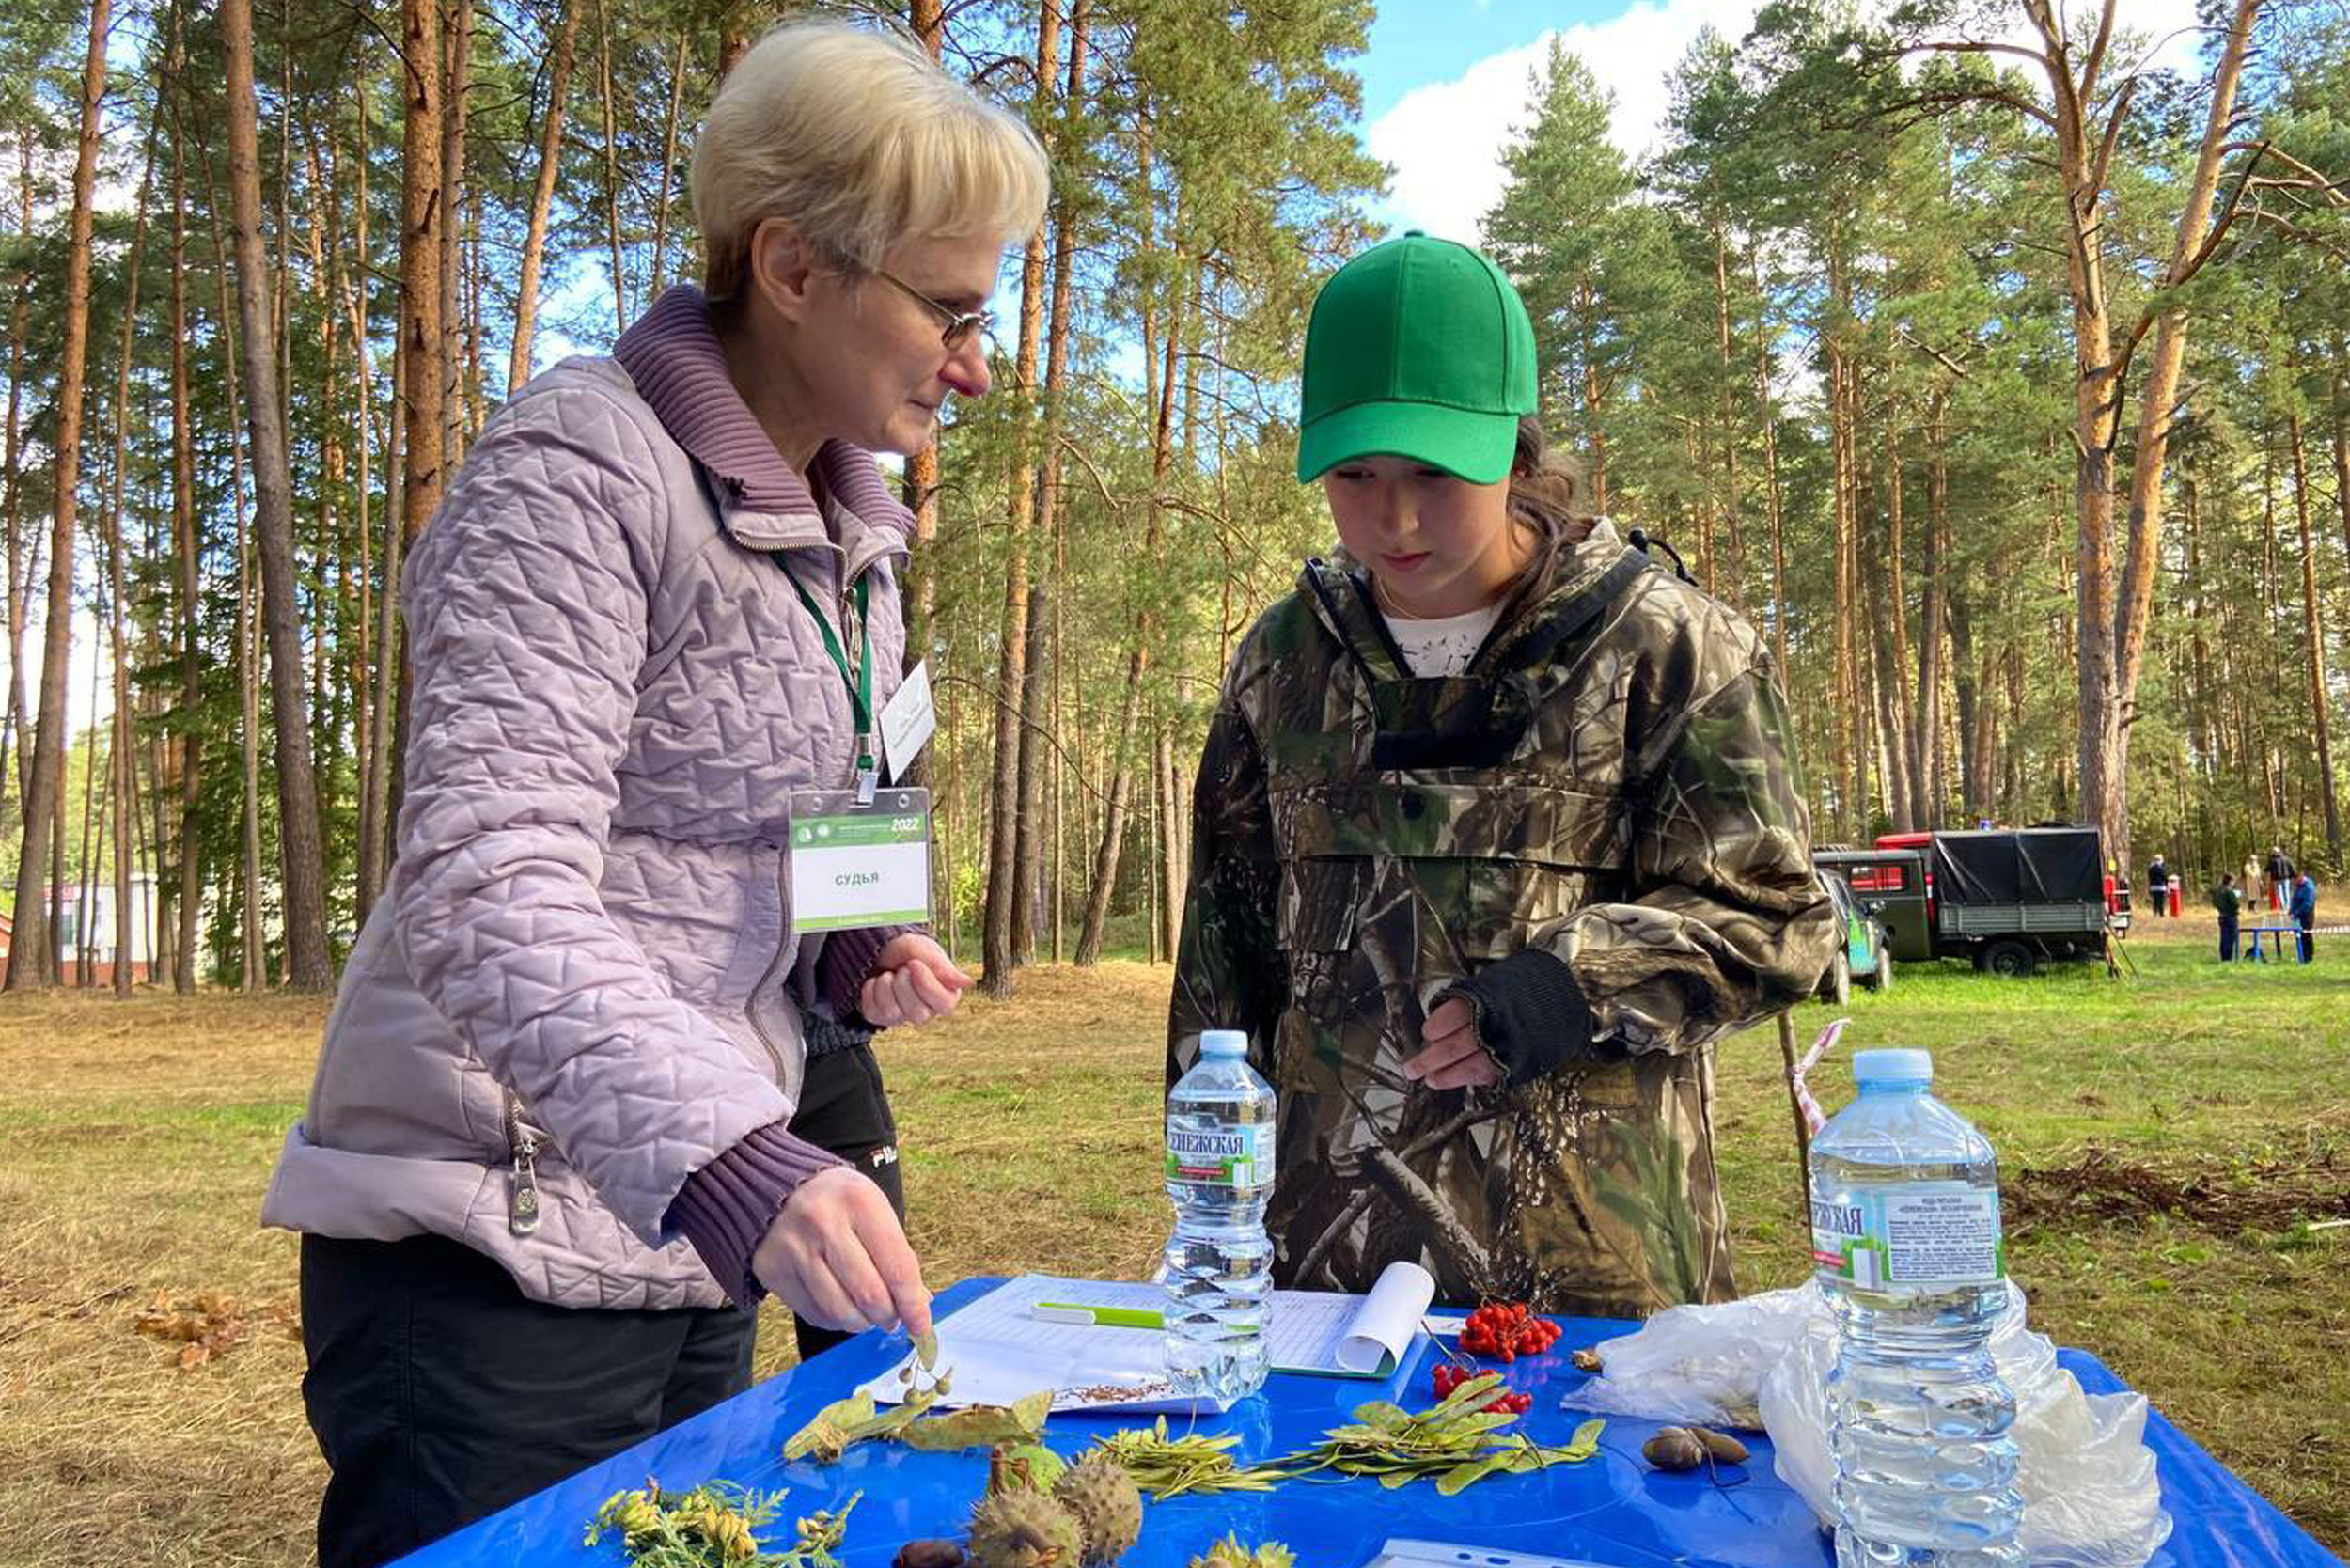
[(1611, 1510)]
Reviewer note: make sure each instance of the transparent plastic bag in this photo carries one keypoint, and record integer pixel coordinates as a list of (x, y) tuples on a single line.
[(2091, 1500), (1701, 1364)]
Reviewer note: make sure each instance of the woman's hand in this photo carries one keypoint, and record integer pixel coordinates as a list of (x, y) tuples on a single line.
[(837, 1258), (1451, 1058), (913, 982)]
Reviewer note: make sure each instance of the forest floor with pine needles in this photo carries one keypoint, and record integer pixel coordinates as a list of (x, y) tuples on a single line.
[(2171, 1144)]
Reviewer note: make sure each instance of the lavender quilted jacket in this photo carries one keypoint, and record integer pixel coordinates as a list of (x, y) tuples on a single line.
[(585, 934)]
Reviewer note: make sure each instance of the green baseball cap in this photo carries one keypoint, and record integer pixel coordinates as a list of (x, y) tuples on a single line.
[(1417, 348)]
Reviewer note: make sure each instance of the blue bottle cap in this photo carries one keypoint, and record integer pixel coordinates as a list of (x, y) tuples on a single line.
[(1227, 1043), (1892, 1067)]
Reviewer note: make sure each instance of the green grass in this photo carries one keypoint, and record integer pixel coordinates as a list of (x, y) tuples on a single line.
[(2169, 1142)]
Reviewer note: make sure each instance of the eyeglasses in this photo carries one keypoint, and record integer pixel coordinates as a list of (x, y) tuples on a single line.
[(956, 327)]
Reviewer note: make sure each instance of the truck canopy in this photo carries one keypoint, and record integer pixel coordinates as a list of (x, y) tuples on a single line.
[(2033, 865)]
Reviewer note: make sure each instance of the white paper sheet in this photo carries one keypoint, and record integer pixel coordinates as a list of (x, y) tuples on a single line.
[(1001, 1351)]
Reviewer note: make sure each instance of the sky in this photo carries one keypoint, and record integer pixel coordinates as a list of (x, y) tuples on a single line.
[(1446, 85)]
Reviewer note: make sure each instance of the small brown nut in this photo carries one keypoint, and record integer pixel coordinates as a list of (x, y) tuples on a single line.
[(929, 1554), (1721, 1444), (1674, 1449), (1586, 1360)]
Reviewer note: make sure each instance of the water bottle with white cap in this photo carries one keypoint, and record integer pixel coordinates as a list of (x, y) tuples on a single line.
[(1906, 1242), (1219, 1261)]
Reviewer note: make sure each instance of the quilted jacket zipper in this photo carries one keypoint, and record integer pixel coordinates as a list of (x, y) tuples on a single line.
[(521, 1183)]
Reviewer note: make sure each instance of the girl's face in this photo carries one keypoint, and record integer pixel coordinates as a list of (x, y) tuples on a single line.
[(1435, 543)]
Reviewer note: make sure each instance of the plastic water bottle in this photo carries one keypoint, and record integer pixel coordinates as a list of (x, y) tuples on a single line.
[(1219, 1262), (1905, 1234)]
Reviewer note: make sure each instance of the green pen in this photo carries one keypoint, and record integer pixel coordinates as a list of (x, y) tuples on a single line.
[(1106, 1317)]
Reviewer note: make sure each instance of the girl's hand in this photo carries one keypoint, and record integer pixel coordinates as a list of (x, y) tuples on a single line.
[(913, 982), (1451, 1057)]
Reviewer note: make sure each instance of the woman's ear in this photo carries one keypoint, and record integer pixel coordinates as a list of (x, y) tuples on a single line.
[(783, 265)]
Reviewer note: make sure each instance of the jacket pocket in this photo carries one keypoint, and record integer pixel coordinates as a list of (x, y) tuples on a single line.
[(1318, 901)]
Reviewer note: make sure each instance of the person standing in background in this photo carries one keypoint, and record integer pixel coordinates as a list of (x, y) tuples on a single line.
[(2304, 912), (2279, 876), (2230, 903), (2158, 886)]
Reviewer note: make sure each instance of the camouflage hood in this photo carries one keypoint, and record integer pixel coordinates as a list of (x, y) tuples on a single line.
[(1596, 834)]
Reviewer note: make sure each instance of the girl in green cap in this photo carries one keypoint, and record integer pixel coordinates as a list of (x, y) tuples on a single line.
[(1498, 830)]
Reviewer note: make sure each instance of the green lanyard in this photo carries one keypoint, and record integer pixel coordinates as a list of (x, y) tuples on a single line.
[(860, 684)]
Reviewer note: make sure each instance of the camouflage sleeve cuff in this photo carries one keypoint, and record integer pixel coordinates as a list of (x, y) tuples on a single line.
[(1532, 1017)]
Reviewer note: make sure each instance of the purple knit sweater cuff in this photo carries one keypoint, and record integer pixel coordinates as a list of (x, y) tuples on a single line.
[(847, 963), (725, 1207)]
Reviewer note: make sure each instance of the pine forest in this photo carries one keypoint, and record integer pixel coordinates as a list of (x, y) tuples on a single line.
[(1993, 358)]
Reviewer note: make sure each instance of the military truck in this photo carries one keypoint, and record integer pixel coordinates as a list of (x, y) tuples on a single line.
[(2004, 899)]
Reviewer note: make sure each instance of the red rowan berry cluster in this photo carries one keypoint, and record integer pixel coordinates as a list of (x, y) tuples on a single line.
[(1503, 1331), (1450, 1375)]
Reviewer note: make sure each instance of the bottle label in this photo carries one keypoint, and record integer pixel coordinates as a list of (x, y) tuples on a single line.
[(1235, 1157), (1911, 1235)]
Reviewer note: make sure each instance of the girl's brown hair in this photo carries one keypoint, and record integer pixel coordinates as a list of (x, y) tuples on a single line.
[(1546, 499)]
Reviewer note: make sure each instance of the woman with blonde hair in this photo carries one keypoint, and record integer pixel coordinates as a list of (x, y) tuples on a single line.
[(592, 1088)]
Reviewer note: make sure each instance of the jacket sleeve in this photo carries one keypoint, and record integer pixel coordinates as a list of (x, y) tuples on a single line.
[(1729, 923), (1229, 972), (527, 617)]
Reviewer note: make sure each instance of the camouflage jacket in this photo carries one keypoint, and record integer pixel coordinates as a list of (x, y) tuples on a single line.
[(1612, 783)]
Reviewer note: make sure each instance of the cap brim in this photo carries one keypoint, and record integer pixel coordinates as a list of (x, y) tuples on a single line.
[(1468, 443)]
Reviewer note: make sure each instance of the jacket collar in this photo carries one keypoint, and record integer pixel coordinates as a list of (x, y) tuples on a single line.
[(672, 354), (1338, 592)]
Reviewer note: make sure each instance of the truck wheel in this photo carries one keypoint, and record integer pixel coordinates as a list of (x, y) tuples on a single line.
[(2009, 959), (1837, 986)]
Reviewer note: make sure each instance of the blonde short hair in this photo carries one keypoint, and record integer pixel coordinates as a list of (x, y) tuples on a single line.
[(862, 141)]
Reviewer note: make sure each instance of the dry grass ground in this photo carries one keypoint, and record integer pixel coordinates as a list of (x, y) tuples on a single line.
[(2168, 1142)]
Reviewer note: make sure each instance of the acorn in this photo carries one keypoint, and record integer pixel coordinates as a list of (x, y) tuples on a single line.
[(1725, 1449), (1674, 1448)]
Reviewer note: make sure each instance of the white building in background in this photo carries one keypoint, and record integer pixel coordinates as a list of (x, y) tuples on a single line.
[(89, 911)]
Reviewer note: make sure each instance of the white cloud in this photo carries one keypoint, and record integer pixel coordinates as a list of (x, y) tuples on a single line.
[(1444, 140)]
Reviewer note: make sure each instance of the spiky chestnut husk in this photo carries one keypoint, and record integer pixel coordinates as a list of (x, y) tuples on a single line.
[(1106, 1504), (1021, 1528)]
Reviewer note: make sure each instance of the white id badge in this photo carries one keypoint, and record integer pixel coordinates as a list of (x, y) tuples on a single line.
[(855, 865), (907, 721)]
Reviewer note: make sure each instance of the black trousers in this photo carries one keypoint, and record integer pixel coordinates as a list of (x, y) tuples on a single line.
[(2227, 938), (439, 1394)]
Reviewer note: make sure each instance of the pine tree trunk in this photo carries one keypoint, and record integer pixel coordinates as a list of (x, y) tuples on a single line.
[(308, 966), (122, 772), (611, 168), (2314, 631), (1000, 945), (1123, 764), (457, 75), (918, 488), (13, 490), (1038, 742), (668, 173), (31, 959), (542, 198), (187, 550), (1767, 409), (1906, 748), (1735, 579), (1933, 785)]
